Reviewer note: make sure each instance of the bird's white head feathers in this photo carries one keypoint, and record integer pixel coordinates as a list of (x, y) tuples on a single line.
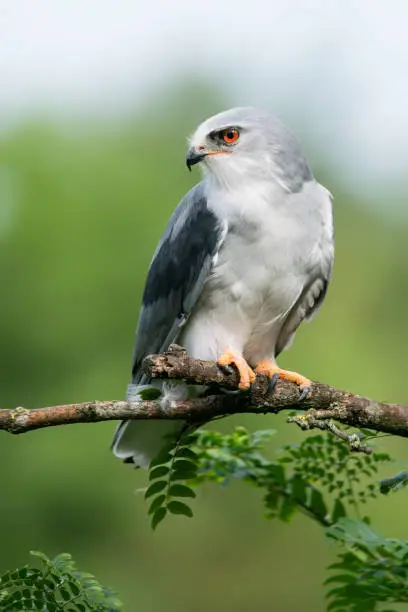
[(247, 143)]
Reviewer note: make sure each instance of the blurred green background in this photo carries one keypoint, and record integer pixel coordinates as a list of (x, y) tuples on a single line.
[(80, 215)]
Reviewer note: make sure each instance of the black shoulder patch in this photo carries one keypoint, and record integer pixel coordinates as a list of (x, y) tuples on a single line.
[(178, 271), (180, 257)]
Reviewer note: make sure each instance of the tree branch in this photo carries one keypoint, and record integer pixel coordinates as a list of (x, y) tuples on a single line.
[(322, 403)]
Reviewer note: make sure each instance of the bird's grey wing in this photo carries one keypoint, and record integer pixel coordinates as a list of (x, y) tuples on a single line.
[(313, 293), (304, 308), (179, 268)]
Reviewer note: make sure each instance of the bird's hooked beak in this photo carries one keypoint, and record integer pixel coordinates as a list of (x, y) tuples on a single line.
[(194, 157)]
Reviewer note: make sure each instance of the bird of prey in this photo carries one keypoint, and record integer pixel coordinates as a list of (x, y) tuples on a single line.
[(245, 258)]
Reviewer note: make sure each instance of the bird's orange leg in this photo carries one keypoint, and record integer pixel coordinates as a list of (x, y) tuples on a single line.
[(270, 369), (246, 373)]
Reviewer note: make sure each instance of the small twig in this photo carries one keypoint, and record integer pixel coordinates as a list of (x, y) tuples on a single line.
[(309, 420), (393, 483)]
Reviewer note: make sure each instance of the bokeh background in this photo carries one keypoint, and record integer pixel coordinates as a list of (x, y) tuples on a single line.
[(96, 101)]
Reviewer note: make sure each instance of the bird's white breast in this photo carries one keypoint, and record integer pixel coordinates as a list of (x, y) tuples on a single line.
[(274, 242)]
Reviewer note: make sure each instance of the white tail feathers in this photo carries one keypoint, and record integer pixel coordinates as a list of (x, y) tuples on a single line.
[(141, 441)]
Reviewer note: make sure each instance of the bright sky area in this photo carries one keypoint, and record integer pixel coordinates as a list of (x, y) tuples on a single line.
[(336, 71)]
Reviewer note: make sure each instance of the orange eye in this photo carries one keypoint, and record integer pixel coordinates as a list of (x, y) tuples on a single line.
[(230, 135)]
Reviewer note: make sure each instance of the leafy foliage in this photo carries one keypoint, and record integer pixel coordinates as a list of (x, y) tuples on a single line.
[(174, 464), (318, 477), (55, 585), (370, 569)]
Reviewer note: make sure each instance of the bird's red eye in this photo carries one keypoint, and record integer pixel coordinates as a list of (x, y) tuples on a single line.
[(230, 135)]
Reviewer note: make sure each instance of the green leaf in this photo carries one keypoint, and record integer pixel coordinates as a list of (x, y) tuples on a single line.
[(158, 516), (299, 490), (49, 584), (163, 457), (75, 589), (65, 594), (183, 476), (368, 432), (272, 499), (187, 453), (63, 559), (51, 606), (338, 511), (341, 578), (56, 578), (150, 394), (158, 472), (40, 555), (356, 529), (156, 503), (184, 465), (179, 490), (317, 504), (156, 487), (277, 473), (177, 507), (23, 572), (287, 510), (6, 577)]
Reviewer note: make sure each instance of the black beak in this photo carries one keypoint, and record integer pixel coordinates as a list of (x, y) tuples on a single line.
[(193, 157)]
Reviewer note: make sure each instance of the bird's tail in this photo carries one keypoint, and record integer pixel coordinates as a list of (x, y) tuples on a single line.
[(140, 441)]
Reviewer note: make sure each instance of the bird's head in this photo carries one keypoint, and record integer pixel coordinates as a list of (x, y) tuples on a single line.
[(246, 143)]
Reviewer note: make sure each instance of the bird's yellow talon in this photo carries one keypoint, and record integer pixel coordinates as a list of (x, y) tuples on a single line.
[(246, 373), (267, 367)]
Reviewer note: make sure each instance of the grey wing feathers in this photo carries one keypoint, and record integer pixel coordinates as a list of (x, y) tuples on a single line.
[(314, 291), (305, 308), (178, 271)]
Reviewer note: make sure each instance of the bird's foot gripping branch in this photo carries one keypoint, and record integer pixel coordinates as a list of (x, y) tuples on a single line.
[(322, 405)]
